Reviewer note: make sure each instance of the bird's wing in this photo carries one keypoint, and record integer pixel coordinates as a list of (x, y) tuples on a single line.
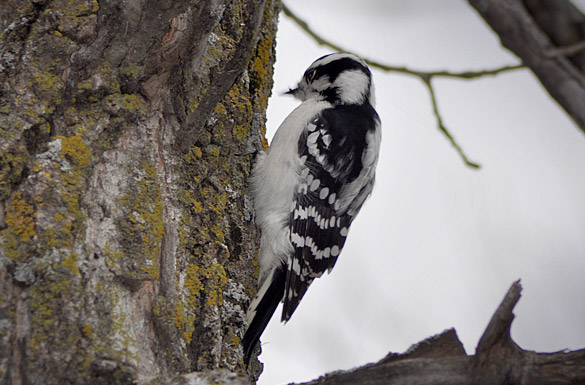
[(332, 149)]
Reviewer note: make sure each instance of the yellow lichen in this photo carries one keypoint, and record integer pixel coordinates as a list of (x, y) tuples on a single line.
[(87, 331), (20, 218), (217, 230), (240, 131), (186, 311), (46, 300), (125, 104), (218, 200), (193, 155), (75, 150), (48, 81), (216, 281), (213, 151), (197, 207), (235, 340), (133, 70), (70, 262), (209, 281), (143, 227), (220, 109), (11, 168)]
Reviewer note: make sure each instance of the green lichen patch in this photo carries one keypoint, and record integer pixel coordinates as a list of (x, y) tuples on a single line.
[(261, 72), (47, 301), (47, 83), (69, 181), (216, 281), (69, 262), (101, 81), (203, 292), (244, 110), (128, 106), (55, 306), (12, 165), (130, 76), (76, 151), (49, 215), (82, 7), (20, 223), (188, 305), (142, 226)]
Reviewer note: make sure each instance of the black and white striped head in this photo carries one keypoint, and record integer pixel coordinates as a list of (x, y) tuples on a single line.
[(339, 78)]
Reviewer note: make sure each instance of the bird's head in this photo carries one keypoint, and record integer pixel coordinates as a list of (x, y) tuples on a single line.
[(339, 78)]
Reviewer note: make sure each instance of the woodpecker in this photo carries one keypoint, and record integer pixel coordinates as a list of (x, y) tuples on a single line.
[(311, 183)]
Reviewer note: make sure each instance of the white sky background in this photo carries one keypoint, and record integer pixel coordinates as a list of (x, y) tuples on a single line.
[(438, 244)]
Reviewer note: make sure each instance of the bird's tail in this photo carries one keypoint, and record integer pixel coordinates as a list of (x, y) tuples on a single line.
[(262, 308)]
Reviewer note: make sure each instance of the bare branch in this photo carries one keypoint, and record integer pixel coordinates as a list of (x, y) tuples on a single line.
[(444, 130), (467, 75), (569, 50), (425, 76), (534, 38), (389, 68), (442, 360), (499, 327), (305, 27)]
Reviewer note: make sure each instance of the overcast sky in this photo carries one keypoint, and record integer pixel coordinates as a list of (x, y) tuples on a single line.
[(439, 244)]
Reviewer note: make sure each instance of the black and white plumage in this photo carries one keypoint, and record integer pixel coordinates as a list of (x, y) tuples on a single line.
[(311, 183)]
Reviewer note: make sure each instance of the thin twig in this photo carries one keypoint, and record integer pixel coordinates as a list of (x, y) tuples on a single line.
[(569, 50), (425, 76), (388, 68), (444, 130)]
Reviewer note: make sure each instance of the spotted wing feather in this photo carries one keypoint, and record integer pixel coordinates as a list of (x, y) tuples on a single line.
[(318, 224)]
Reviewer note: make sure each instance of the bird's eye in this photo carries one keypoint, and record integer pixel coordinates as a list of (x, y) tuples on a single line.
[(310, 76)]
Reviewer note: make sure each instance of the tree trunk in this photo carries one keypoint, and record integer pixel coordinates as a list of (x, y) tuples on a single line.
[(128, 242)]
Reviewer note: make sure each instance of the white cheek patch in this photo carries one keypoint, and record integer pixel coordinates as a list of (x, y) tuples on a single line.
[(353, 86), (321, 84)]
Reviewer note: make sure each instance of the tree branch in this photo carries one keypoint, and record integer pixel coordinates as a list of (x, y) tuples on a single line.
[(444, 129), (567, 46), (563, 23), (442, 360), (531, 38), (499, 327), (425, 76), (389, 68)]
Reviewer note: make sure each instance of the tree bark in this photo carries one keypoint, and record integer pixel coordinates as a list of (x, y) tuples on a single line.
[(128, 242), (538, 32), (442, 360)]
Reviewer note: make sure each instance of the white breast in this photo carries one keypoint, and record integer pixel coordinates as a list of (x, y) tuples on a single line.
[(274, 181)]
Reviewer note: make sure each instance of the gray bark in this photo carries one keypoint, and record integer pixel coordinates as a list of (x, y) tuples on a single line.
[(128, 242)]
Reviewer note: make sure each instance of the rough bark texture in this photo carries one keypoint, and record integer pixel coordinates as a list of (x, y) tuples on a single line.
[(128, 243), (536, 31), (441, 360), (563, 23)]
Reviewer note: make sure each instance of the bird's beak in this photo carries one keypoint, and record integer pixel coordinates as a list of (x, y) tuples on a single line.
[(291, 92)]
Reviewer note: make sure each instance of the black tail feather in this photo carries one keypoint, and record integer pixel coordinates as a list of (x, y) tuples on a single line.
[(264, 312)]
